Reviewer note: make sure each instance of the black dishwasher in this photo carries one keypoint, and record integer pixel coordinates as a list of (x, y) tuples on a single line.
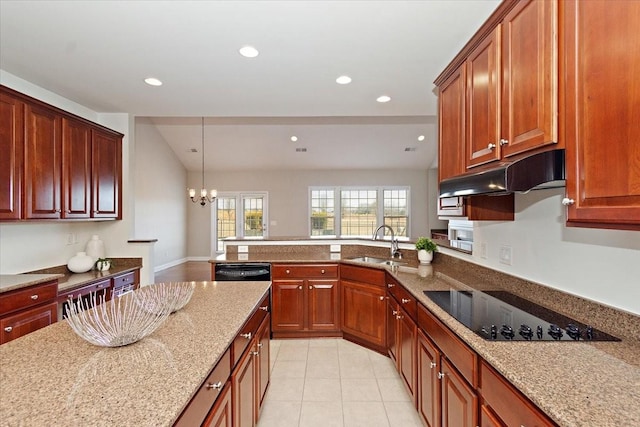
[(251, 271)]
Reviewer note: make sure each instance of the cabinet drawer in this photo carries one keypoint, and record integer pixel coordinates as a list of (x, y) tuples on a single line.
[(124, 280), (27, 321), (293, 271), (507, 402), (84, 290), (205, 397), (28, 297), (248, 330), (404, 298), (372, 276), (463, 358)]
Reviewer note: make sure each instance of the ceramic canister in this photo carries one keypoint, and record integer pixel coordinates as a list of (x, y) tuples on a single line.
[(80, 263), (95, 248)]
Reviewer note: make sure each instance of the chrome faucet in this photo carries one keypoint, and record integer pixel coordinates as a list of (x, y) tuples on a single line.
[(395, 253)]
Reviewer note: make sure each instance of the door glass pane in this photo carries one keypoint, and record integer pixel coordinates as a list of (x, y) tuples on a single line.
[(252, 215), (226, 215)]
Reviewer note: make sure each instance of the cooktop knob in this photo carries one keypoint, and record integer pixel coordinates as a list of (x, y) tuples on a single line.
[(507, 332), (555, 332), (573, 331), (589, 332), (526, 332), (494, 332), (539, 332)]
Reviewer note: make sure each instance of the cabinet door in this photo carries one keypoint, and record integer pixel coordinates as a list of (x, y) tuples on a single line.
[(287, 305), (392, 329), (76, 169), (451, 101), (407, 338), (324, 309), (106, 154), (11, 147), (428, 383), (25, 322), (264, 361), (243, 391), (488, 418), (602, 109), (483, 96), (42, 165), (221, 413), (363, 313), (529, 77), (459, 401)]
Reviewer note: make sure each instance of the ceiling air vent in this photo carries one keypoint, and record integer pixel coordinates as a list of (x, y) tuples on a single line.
[(410, 149), (301, 150)]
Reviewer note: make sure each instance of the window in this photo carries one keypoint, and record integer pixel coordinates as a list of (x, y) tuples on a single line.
[(238, 215), (357, 212)]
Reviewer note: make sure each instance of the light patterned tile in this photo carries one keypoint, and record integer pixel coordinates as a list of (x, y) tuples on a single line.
[(321, 414), (393, 390), (289, 369), (324, 342), (355, 365), (402, 414), (280, 414), (321, 390), (384, 368), (323, 369), (285, 389), (360, 390), (364, 414), (293, 353)]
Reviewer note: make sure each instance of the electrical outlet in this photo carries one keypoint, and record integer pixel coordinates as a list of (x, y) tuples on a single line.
[(334, 248), (483, 250), (243, 249), (69, 239), (506, 255)]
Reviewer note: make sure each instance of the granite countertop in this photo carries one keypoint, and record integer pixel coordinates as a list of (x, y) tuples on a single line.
[(53, 376), (11, 282)]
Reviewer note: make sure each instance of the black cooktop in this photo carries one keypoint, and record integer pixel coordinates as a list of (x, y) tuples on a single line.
[(503, 316)]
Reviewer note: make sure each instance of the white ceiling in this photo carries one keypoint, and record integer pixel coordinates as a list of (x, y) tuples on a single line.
[(97, 53)]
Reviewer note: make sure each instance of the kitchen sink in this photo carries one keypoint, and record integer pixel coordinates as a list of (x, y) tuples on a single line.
[(382, 261)]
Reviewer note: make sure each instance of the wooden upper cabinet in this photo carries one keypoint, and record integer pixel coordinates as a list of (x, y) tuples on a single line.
[(529, 77), (106, 165), (483, 97), (451, 118), (76, 169), (42, 163), (602, 133), (11, 160)]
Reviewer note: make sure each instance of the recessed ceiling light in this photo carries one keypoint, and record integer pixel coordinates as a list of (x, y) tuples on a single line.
[(152, 81), (383, 98), (421, 138), (249, 51), (294, 138), (343, 80)]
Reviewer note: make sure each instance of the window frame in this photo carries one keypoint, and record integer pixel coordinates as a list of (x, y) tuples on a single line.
[(239, 196)]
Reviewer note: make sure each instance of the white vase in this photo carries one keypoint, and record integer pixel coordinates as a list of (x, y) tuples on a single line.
[(95, 248), (425, 257), (80, 263)]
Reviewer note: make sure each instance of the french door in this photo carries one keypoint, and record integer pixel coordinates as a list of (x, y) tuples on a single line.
[(239, 215)]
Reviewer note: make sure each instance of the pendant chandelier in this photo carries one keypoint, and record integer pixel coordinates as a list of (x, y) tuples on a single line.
[(206, 196)]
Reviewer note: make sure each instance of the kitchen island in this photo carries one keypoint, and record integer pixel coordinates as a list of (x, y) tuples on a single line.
[(53, 377)]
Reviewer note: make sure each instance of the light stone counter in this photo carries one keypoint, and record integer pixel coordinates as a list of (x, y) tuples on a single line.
[(10, 282), (53, 377)]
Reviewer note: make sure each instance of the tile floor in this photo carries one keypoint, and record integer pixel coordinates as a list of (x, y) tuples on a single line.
[(333, 382)]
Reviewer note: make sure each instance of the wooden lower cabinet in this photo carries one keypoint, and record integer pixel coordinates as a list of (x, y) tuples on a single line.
[(306, 300), (428, 399), (26, 310), (364, 313), (221, 414), (459, 400), (243, 381), (263, 363), (403, 346)]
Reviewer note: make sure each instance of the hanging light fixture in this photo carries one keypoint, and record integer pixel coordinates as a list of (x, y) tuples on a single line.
[(205, 195)]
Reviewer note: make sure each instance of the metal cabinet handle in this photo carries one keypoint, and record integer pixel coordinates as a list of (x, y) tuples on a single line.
[(34, 297), (260, 345), (265, 308), (216, 386), (8, 329), (255, 353), (321, 271), (504, 142), (247, 335), (381, 298), (432, 365), (567, 201), (399, 317), (491, 146), (390, 285), (310, 287), (300, 287), (287, 271), (405, 300), (394, 312), (440, 375)]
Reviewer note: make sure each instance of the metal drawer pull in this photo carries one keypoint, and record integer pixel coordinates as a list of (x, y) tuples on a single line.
[(260, 345), (322, 271), (381, 298), (288, 272), (8, 329), (404, 300), (440, 375), (34, 297), (300, 287), (310, 287), (399, 317), (255, 353), (216, 386), (247, 335), (394, 312), (491, 146), (265, 308), (432, 365), (390, 285)]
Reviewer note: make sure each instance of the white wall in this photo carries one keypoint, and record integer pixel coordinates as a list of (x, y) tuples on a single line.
[(160, 195), (288, 198), (26, 246), (597, 264)]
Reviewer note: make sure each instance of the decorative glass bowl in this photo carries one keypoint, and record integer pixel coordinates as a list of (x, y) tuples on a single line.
[(166, 297), (118, 322)]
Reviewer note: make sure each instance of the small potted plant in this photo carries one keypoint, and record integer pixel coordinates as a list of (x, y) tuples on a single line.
[(103, 264), (425, 247)]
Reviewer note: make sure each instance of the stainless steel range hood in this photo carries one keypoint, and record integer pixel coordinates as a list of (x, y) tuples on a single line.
[(542, 170)]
